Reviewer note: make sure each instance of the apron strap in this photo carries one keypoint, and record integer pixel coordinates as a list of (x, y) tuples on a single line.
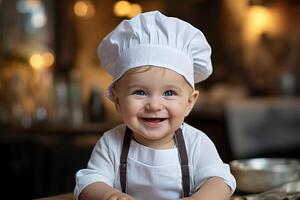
[(182, 154), (185, 172), (123, 159)]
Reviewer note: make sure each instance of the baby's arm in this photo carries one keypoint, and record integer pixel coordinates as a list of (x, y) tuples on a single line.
[(213, 189), (102, 191)]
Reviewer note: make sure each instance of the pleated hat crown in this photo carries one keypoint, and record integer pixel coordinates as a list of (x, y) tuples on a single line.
[(152, 38)]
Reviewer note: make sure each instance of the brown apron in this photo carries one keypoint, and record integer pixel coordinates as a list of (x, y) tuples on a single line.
[(182, 155)]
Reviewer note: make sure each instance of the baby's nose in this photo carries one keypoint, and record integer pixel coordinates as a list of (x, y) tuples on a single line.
[(154, 104)]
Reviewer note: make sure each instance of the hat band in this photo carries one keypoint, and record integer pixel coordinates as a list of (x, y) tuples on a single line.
[(156, 55)]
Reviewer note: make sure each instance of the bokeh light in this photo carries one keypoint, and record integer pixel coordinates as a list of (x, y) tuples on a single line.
[(135, 9), (84, 8), (80, 8), (122, 8), (36, 61), (48, 59)]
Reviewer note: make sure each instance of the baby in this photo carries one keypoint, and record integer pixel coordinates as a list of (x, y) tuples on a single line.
[(155, 61)]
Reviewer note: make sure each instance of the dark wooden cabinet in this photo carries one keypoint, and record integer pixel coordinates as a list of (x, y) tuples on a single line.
[(40, 166), (42, 161)]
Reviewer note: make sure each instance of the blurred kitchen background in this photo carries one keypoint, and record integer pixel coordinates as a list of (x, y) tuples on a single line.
[(52, 104)]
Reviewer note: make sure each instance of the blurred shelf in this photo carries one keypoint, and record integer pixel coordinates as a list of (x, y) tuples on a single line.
[(54, 129)]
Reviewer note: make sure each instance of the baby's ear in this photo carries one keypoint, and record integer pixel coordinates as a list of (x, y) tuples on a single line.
[(191, 101), (115, 99)]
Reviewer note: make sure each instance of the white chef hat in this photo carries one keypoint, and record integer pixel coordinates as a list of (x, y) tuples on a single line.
[(152, 38)]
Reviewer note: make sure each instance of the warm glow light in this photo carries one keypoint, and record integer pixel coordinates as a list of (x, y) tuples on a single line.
[(122, 8), (135, 9), (48, 59), (259, 17), (80, 8), (36, 61), (259, 20), (84, 8)]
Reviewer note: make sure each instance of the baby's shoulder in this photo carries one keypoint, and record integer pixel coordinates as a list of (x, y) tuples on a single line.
[(193, 135), (114, 135)]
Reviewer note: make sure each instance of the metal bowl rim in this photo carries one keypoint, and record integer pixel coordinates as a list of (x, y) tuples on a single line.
[(248, 164)]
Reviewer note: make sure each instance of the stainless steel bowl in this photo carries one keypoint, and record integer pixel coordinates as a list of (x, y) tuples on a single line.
[(262, 174)]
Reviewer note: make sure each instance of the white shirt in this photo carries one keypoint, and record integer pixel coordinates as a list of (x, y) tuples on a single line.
[(153, 173)]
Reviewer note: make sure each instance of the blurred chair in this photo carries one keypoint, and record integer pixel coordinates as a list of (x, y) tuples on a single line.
[(267, 127)]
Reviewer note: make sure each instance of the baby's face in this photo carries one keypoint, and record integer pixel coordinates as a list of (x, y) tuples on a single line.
[(153, 102)]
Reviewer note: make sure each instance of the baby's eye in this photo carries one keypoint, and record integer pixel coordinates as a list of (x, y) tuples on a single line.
[(169, 93), (139, 92)]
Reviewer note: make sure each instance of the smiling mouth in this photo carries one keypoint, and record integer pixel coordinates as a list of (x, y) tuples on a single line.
[(153, 120)]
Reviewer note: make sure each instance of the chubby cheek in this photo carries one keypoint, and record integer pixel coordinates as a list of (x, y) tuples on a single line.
[(129, 109), (177, 110)]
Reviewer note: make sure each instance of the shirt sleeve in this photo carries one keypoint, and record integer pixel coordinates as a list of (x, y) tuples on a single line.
[(100, 167), (208, 164)]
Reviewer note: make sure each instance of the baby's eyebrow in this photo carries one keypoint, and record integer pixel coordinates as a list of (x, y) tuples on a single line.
[(129, 87), (174, 87)]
